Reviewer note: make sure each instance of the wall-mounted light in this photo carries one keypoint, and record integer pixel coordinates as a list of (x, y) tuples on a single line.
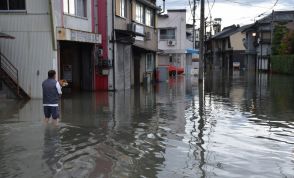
[(254, 34)]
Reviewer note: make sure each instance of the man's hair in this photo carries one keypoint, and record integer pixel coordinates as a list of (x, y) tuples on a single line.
[(51, 73)]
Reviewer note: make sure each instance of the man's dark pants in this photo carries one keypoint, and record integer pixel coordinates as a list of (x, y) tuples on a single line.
[(51, 111)]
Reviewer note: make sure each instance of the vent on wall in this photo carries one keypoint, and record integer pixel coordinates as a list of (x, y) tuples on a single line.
[(171, 42), (148, 36)]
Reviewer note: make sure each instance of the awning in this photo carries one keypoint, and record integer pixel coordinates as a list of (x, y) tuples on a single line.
[(6, 36), (192, 51), (128, 32), (144, 48)]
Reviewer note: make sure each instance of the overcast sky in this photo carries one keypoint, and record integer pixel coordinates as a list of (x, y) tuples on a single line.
[(233, 11)]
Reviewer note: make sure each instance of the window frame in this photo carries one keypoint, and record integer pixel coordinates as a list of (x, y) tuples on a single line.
[(151, 67), (76, 13), (15, 10), (152, 20), (167, 36), (142, 12), (144, 16)]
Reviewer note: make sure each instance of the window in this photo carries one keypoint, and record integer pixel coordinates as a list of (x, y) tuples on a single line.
[(167, 34), (229, 43), (149, 62), (75, 7), (12, 5), (121, 8), (142, 14), (149, 19), (139, 13)]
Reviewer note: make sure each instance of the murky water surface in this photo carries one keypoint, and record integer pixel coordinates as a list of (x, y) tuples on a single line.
[(239, 126)]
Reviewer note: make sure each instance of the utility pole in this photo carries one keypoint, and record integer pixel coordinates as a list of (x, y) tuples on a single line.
[(201, 56), (194, 21)]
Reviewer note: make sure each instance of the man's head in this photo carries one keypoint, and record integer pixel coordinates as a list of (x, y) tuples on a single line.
[(51, 74)]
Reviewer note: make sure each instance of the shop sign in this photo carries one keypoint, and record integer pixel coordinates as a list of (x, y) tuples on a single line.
[(85, 37), (78, 36)]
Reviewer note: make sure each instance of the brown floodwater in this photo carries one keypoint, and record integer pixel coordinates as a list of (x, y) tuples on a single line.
[(233, 125)]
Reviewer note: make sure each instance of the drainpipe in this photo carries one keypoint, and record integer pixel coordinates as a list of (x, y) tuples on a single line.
[(113, 49), (53, 24)]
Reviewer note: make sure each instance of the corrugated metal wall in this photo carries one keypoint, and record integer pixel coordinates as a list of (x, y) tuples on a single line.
[(31, 50)]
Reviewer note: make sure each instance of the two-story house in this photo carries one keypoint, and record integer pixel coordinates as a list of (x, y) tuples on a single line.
[(225, 49), (61, 35), (258, 39), (174, 39), (134, 42)]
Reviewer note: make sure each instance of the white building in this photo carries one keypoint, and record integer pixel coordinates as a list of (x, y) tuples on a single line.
[(173, 40), (60, 35)]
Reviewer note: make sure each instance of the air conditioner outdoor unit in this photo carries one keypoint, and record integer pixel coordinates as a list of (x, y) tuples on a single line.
[(171, 42), (131, 27)]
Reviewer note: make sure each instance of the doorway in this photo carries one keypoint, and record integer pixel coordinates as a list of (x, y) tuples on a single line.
[(76, 66)]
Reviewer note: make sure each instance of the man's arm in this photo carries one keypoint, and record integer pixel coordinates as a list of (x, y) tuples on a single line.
[(58, 87)]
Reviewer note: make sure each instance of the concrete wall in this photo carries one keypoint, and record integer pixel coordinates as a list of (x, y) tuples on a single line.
[(124, 56), (73, 22), (163, 60), (31, 51), (174, 19), (177, 20), (122, 66)]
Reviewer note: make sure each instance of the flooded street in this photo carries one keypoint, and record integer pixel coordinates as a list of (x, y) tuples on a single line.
[(241, 125)]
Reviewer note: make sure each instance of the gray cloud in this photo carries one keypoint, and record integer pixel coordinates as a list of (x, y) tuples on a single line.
[(242, 11), (185, 3)]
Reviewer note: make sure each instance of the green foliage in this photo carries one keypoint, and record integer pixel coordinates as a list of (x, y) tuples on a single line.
[(283, 40), (278, 34), (283, 64)]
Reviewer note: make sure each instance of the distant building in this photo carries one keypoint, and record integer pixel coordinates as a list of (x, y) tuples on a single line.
[(60, 35), (225, 49), (258, 39), (174, 39), (189, 33)]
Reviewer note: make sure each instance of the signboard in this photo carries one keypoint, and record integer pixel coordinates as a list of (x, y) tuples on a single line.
[(84, 37), (78, 36), (67, 72)]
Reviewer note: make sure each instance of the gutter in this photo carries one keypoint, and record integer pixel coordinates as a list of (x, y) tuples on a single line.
[(53, 24)]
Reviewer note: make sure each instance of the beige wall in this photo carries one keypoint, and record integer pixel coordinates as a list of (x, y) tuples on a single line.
[(236, 41)]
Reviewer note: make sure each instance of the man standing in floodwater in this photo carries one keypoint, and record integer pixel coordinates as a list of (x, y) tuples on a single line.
[(51, 94)]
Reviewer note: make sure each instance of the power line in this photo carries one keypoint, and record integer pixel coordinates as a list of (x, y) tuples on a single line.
[(244, 3), (275, 4), (212, 5)]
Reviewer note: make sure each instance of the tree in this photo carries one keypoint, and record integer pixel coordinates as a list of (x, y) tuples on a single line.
[(283, 40)]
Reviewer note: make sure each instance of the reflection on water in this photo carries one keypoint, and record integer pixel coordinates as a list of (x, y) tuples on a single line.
[(240, 125)]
